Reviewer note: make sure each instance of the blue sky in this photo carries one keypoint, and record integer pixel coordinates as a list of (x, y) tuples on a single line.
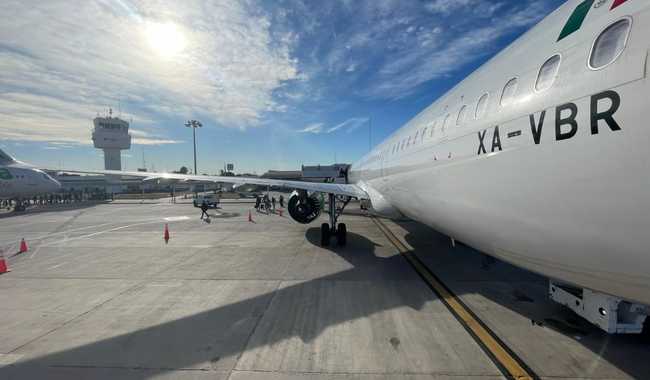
[(275, 83)]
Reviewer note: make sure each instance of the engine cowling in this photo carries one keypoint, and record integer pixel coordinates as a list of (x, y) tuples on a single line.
[(303, 208)]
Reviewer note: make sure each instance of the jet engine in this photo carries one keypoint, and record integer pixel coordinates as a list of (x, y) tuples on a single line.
[(303, 208)]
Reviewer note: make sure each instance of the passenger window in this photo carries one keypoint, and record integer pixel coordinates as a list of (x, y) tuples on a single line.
[(547, 73), (462, 114), (509, 92), (481, 106), (610, 44)]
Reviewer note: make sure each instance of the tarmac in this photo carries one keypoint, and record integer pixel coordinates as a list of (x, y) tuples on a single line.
[(99, 295)]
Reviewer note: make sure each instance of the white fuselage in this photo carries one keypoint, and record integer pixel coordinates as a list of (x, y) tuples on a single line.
[(21, 181), (572, 206)]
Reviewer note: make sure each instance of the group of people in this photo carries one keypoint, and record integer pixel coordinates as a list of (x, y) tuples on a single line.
[(266, 203), (261, 202), (55, 198)]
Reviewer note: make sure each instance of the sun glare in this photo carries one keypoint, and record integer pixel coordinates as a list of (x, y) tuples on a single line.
[(165, 39)]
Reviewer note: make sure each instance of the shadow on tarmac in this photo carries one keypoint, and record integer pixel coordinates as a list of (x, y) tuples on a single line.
[(217, 333), (52, 208), (525, 293)]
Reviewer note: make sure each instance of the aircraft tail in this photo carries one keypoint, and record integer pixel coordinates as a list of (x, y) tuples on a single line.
[(5, 158)]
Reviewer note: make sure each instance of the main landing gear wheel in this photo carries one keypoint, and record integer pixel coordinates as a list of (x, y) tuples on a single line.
[(327, 230), (341, 234), (325, 234)]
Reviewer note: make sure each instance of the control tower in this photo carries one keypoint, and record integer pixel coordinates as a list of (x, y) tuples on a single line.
[(112, 135)]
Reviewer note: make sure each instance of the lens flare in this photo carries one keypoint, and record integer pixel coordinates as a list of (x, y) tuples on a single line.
[(165, 39)]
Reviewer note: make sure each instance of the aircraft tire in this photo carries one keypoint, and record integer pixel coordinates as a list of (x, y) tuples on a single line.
[(325, 234), (342, 235)]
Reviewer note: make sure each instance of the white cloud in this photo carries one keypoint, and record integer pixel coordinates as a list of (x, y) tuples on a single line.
[(141, 137), (312, 128), (447, 6), (442, 53), (388, 49), (349, 125), (154, 141), (62, 62)]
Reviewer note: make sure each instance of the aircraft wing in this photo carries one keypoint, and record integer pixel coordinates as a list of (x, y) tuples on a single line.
[(334, 188)]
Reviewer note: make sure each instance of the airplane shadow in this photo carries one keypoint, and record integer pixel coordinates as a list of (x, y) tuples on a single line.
[(523, 292), (217, 333), (51, 208)]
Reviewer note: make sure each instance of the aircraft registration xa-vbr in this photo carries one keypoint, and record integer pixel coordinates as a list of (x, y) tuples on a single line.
[(540, 158), (19, 180)]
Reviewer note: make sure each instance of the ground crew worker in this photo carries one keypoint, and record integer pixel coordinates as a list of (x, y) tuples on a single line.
[(204, 209), (273, 202), (267, 203), (281, 201), (257, 202)]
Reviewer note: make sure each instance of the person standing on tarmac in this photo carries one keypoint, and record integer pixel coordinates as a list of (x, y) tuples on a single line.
[(281, 201), (257, 202), (273, 203), (204, 209), (267, 203)]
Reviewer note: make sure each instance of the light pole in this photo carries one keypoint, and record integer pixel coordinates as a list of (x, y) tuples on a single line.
[(194, 124)]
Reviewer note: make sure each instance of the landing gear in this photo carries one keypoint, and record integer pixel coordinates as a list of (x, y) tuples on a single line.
[(325, 234), (327, 230), (341, 234)]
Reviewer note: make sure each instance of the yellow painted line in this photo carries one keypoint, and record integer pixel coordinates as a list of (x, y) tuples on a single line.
[(486, 339)]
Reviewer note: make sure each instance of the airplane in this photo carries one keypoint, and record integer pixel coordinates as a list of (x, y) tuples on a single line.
[(19, 180), (540, 158)]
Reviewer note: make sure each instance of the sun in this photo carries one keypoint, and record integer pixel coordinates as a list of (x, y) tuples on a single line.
[(166, 39)]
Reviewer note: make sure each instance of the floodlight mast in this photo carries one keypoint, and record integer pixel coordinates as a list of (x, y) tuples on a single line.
[(194, 124)]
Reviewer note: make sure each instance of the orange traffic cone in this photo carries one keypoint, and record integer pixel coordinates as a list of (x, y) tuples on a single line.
[(250, 216), (23, 246), (3, 265), (166, 234)]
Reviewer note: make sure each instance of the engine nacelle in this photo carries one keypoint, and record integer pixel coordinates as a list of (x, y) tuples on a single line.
[(303, 208)]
